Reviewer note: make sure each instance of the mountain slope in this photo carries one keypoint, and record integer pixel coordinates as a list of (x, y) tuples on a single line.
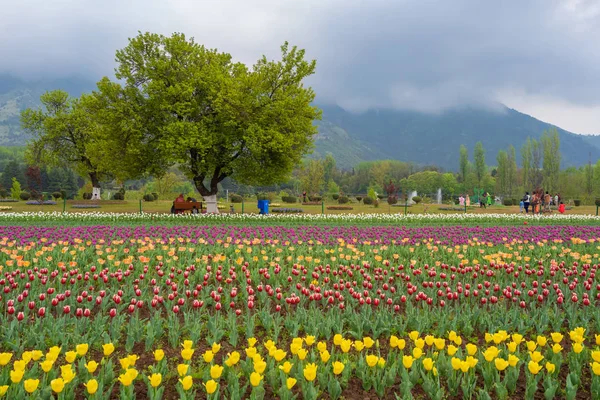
[(355, 137), (435, 139)]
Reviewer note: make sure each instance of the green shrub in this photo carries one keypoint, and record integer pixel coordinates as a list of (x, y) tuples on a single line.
[(507, 202), (417, 199), (57, 195), (335, 196), (289, 199), (155, 195), (236, 198), (116, 196), (148, 197), (3, 193), (25, 196), (597, 202), (368, 201), (343, 199), (577, 202), (393, 199), (358, 198), (315, 197)]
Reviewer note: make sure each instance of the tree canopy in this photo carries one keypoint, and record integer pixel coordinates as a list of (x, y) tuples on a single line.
[(179, 103)]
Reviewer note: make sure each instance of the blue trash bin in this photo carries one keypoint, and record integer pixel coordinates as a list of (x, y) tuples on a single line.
[(263, 206)]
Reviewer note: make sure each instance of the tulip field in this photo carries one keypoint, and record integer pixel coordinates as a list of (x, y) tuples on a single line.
[(305, 311)]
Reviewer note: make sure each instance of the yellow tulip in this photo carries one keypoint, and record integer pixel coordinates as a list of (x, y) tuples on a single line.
[(517, 338), (159, 354), (155, 380), (472, 361), (556, 348), (232, 359), (413, 335), (488, 337), (407, 361), (279, 355), (417, 353), (471, 349), (3, 390), (57, 385), (401, 344), (290, 382), (70, 356), (36, 355), (26, 356), (368, 342), (464, 366), (596, 355), (187, 383), (31, 385), (260, 367), (531, 345), (536, 356), (47, 365), (132, 359), (512, 346), (132, 373), (215, 348), (534, 367), (82, 349), (91, 366), (513, 360), (439, 343), (455, 362), (125, 362), (255, 379), (209, 355), (598, 340), (556, 337), (19, 365), (108, 349), (338, 367), (429, 340), (451, 335), (457, 340), (286, 367), (595, 368), (371, 360), (91, 386), (359, 345), (302, 353), (501, 364), (182, 369), (490, 353), (428, 364), (419, 343), (345, 345), (337, 339), (216, 371), (187, 344), (541, 340), (310, 372), (381, 362), (5, 358), (16, 375), (550, 367), (187, 354), (309, 340), (393, 341), (325, 356), (67, 373), (452, 350), (321, 346), (252, 342), (577, 347)]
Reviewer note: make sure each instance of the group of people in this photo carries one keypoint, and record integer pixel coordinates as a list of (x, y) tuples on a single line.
[(540, 202), (484, 200), (182, 199)]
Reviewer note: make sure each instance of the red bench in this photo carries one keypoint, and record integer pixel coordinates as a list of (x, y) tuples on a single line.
[(187, 206)]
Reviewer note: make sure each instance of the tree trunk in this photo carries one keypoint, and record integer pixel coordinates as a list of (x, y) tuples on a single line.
[(209, 193), (95, 185)]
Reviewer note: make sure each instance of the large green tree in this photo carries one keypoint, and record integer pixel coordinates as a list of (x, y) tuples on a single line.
[(464, 162), (551, 163), (479, 157), (183, 104), (65, 134)]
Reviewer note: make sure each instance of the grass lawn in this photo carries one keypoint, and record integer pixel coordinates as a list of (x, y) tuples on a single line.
[(164, 206)]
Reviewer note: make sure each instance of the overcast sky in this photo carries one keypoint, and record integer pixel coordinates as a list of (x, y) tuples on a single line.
[(540, 57)]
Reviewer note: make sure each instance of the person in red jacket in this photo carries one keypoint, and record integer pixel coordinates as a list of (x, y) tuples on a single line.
[(561, 208)]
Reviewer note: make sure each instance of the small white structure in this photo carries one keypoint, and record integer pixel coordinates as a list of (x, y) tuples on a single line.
[(96, 193), (211, 204), (410, 197), (439, 196)]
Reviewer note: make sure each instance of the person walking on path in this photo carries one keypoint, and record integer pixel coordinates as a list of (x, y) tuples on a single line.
[(526, 202)]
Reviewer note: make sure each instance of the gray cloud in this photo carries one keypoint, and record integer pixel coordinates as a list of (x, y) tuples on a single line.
[(426, 55)]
